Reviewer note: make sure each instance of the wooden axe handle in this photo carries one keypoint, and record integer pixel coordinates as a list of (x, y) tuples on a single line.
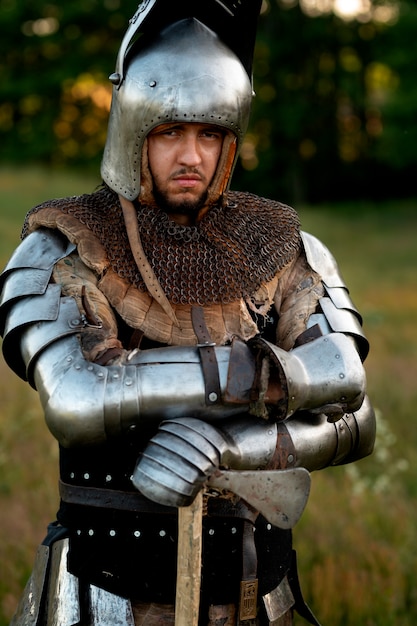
[(190, 528)]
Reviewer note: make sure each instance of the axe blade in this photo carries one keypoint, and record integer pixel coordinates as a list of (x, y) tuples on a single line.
[(279, 495)]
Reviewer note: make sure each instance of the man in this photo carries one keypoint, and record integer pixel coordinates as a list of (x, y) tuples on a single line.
[(173, 327)]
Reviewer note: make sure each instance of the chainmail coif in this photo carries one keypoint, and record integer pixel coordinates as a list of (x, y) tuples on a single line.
[(232, 251)]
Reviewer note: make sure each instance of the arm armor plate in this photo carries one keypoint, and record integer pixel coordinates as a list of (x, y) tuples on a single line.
[(85, 403), (318, 443), (325, 375), (338, 314)]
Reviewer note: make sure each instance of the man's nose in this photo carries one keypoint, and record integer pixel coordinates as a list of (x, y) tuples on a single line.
[(189, 152)]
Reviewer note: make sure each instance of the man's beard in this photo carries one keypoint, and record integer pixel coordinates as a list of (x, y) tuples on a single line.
[(185, 207)]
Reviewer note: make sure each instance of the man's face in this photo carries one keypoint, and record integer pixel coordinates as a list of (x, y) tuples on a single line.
[(183, 159)]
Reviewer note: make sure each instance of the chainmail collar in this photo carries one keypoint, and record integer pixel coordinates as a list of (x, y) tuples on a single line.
[(229, 254)]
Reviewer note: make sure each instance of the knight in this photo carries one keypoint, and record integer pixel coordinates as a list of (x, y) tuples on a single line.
[(174, 328)]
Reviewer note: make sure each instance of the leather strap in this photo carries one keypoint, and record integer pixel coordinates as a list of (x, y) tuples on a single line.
[(110, 499), (142, 263), (285, 453), (207, 356)]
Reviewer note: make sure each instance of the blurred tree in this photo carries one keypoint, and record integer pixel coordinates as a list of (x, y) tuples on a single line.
[(332, 118), (394, 91), (55, 61), (315, 119)]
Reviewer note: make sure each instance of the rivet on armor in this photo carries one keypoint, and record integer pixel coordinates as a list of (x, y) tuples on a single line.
[(91, 532), (290, 458), (100, 375), (152, 83), (268, 526), (233, 530), (115, 78), (128, 382), (341, 375), (86, 476), (78, 532), (137, 533), (112, 533), (108, 478), (72, 475), (211, 531), (212, 396), (162, 533)]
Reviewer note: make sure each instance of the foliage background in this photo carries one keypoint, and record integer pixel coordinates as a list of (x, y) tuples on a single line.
[(334, 112), (333, 131)]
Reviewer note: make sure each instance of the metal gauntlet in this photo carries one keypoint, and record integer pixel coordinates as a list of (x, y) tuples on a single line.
[(186, 451)]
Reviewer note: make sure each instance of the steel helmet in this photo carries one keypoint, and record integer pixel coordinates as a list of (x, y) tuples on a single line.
[(183, 73)]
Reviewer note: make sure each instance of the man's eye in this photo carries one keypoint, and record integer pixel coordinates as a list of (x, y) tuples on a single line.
[(212, 135)]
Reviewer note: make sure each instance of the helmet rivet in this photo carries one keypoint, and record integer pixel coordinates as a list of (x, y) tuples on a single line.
[(152, 83), (115, 78)]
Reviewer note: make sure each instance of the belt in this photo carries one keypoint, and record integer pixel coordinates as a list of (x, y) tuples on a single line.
[(110, 499), (137, 503)]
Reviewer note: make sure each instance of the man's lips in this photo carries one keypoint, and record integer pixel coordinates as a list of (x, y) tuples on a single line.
[(187, 180)]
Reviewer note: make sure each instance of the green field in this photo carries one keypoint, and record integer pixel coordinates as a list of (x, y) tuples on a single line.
[(356, 540)]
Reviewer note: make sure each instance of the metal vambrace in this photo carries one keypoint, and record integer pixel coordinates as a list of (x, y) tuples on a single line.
[(325, 375), (315, 442), (86, 403)]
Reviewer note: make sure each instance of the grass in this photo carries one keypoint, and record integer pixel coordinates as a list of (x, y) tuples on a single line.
[(356, 539)]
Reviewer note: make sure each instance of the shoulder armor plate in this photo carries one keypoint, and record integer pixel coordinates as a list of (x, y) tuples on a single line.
[(322, 261), (41, 249), (33, 328), (337, 307), (29, 270)]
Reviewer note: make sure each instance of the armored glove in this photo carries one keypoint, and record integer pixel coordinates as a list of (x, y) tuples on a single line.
[(178, 460), (186, 451)]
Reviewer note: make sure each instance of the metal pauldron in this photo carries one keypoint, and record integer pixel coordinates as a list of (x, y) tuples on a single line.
[(337, 311), (24, 283)]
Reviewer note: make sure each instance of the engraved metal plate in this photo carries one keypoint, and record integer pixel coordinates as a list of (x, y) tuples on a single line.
[(248, 599)]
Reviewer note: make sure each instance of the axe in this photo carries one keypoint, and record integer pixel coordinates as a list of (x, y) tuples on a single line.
[(279, 495)]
